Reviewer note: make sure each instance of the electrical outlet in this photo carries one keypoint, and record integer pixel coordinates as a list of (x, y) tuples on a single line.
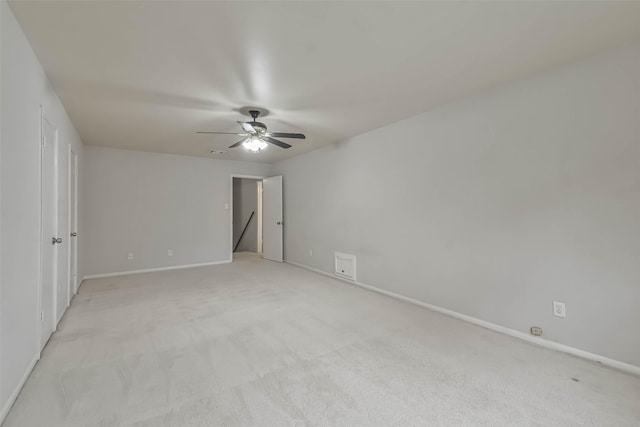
[(130, 256), (170, 252), (536, 330), (559, 309)]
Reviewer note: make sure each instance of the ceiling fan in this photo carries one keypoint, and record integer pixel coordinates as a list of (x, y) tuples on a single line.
[(256, 137)]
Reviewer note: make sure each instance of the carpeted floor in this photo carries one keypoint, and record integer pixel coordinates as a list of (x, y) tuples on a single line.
[(257, 343)]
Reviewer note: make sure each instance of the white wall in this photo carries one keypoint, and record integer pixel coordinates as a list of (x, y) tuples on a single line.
[(2, 402), (245, 201), (24, 88), (494, 206), (147, 203)]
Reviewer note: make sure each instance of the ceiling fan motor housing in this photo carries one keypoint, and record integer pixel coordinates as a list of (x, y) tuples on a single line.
[(260, 127)]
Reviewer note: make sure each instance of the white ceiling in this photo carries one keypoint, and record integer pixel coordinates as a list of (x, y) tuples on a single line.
[(146, 75)]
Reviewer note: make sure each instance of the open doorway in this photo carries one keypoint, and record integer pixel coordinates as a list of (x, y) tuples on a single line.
[(247, 215), (262, 197)]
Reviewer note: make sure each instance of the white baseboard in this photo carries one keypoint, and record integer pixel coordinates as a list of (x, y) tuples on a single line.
[(626, 367), (16, 391), (151, 270)]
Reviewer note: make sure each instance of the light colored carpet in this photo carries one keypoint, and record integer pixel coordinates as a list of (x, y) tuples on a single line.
[(257, 343)]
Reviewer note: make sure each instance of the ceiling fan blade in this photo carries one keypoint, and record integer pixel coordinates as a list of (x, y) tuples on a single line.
[(247, 127), (276, 142), (224, 133), (238, 143), (286, 135)]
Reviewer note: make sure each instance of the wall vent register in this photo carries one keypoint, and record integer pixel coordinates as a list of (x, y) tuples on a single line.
[(345, 266)]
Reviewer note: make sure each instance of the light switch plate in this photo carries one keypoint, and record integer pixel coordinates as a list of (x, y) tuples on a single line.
[(559, 309)]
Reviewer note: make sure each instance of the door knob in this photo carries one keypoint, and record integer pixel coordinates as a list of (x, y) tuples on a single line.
[(74, 234), (56, 240), (279, 223)]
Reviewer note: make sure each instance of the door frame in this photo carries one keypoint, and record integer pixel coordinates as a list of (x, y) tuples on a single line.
[(234, 175), (44, 118)]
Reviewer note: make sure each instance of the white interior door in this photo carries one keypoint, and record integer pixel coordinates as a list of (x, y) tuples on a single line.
[(49, 232), (73, 224), (259, 217), (272, 218)]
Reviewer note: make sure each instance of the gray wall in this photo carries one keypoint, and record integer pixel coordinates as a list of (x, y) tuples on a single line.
[(494, 206), (245, 201), (148, 203), (24, 89)]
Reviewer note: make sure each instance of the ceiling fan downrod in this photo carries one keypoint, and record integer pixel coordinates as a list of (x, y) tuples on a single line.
[(254, 114)]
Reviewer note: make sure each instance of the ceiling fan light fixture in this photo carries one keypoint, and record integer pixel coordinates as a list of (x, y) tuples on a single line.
[(255, 144), (255, 135)]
